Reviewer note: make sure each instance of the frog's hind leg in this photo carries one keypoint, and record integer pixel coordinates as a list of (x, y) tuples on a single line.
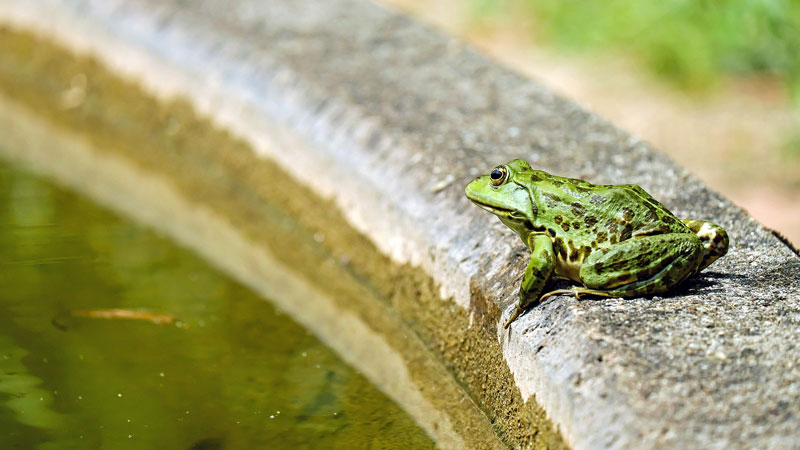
[(653, 285), (713, 237), (640, 266)]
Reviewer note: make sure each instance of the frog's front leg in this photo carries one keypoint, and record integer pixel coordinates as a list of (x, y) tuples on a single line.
[(712, 236), (540, 268)]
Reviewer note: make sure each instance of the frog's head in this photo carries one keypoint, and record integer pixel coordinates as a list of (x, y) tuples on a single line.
[(504, 192)]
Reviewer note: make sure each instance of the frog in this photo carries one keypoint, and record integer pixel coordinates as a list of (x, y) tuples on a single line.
[(610, 240)]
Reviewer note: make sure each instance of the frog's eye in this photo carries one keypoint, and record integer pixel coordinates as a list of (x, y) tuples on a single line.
[(499, 175)]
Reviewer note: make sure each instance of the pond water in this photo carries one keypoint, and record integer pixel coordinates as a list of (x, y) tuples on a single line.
[(228, 372)]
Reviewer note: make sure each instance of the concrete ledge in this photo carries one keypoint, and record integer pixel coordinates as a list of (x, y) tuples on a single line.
[(389, 120)]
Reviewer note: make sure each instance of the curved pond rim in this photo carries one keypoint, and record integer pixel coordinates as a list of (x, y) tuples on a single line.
[(156, 161)]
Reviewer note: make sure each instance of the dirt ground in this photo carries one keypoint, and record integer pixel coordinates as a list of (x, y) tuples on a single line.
[(736, 137)]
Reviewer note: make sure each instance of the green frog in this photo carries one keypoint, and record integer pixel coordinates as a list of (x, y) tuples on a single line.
[(614, 240)]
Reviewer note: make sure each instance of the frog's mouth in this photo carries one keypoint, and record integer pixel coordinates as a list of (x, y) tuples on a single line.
[(502, 212), (492, 209)]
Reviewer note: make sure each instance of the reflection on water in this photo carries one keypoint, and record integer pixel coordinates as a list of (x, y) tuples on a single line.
[(233, 373)]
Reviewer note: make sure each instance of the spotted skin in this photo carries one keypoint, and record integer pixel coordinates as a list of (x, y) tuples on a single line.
[(613, 240)]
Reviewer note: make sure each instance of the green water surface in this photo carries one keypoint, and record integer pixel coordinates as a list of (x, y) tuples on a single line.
[(233, 374)]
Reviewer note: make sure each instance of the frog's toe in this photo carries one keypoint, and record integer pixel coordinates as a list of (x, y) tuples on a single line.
[(558, 292), (578, 292), (517, 312)]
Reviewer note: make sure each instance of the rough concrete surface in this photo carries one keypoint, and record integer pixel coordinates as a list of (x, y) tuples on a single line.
[(400, 118)]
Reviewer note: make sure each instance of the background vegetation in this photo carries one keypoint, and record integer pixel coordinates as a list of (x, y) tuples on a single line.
[(691, 42)]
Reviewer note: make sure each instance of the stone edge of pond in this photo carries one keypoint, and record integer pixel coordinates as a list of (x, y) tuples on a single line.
[(150, 161), (395, 119)]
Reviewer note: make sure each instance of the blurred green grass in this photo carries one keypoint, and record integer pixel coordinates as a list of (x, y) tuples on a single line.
[(692, 43)]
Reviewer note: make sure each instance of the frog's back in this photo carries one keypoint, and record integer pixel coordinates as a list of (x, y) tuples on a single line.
[(592, 214), (635, 212)]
